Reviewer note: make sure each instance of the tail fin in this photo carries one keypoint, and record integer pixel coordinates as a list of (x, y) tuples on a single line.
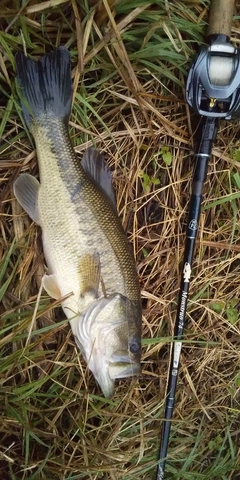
[(46, 85)]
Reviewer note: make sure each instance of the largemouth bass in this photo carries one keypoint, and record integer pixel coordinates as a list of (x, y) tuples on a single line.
[(86, 250)]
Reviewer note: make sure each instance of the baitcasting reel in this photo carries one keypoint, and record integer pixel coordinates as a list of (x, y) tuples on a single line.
[(213, 83)]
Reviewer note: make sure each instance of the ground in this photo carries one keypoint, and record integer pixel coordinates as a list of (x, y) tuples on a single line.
[(129, 66)]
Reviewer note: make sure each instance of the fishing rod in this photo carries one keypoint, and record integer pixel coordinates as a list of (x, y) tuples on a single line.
[(213, 91)]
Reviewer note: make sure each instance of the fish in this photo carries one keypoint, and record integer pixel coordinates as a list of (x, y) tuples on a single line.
[(89, 259)]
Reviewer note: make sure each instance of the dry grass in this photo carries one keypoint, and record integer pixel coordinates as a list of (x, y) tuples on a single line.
[(129, 63)]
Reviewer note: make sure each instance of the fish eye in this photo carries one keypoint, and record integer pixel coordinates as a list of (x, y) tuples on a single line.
[(134, 347)]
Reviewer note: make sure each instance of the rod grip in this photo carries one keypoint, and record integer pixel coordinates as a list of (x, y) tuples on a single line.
[(220, 17)]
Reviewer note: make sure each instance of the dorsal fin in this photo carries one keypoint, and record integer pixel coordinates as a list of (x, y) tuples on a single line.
[(95, 165)]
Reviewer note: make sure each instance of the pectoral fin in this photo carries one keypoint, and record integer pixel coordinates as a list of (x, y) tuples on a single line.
[(95, 165), (49, 283), (26, 189), (89, 272)]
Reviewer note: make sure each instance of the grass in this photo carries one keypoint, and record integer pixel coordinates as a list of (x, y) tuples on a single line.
[(129, 64)]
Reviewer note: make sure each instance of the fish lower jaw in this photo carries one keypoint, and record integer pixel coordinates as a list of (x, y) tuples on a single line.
[(101, 375), (106, 379), (123, 370)]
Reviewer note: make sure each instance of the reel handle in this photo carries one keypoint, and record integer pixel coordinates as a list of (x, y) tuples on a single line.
[(220, 17)]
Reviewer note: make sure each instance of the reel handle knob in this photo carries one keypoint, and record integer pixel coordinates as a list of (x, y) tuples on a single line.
[(220, 17)]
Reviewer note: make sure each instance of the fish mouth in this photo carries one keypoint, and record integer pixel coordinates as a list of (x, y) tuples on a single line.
[(123, 370), (119, 365), (106, 379), (106, 372)]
